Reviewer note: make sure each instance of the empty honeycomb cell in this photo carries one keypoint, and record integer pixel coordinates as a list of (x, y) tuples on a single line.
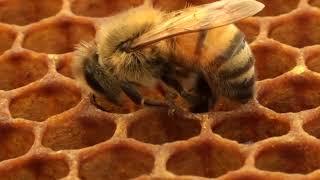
[(250, 29), (277, 7), (15, 141), (58, 37), (250, 127), (313, 127), (24, 12), (272, 61), (205, 160), (19, 69), (44, 168), (293, 94), (7, 37), (102, 8), (297, 157), (64, 66), (77, 132), (170, 5), (313, 62), (199, 2), (300, 30), (178, 4), (40, 103), (253, 176), (116, 163), (157, 127), (315, 3)]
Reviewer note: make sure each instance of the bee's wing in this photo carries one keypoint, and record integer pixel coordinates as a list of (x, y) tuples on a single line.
[(199, 18)]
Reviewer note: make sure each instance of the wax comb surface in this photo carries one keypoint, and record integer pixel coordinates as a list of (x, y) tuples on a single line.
[(50, 130)]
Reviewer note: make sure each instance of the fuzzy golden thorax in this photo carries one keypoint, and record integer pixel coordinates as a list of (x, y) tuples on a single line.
[(114, 40)]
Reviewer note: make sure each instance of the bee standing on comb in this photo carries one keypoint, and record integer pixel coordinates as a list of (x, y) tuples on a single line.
[(145, 45)]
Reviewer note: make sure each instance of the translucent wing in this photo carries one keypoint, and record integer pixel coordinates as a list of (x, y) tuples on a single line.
[(199, 18)]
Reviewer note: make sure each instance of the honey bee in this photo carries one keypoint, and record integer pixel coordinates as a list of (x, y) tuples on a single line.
[(145, 45)]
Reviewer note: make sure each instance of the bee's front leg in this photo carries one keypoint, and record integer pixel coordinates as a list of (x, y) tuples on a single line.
[(131, 91)]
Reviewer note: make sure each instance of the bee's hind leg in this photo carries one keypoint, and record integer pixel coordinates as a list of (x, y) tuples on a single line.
[(173, 108), (170, 96), (195, 100), (93, 100)]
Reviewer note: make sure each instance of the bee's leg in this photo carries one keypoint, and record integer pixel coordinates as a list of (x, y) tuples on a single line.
[(173, 108), (93, 101), (131, 91), (170, 96), (208, 99), (102, 81), (195, 100)]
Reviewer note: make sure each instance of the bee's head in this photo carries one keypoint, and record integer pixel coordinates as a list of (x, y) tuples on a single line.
[(116, 35)]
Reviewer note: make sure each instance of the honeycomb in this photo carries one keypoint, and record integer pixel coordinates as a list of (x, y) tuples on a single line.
[(49, 129)]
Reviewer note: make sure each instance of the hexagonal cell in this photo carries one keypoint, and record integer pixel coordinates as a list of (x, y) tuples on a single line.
[(293, 94), (7, 37), (312, 127), (199, 2), (38, 104), (206, 160), (24, 12), (313, 61), (35, 169), (178, 4), (225, 104), (272, 60), (157, 127), (15, 141), (75, 132), (277, 7), (20, 69), (300, 30), (250, 29), (249, 127), (297, 157), (315, 3), (251, 175), (58, 37), (102, 8), (116, 163), (64, 65)]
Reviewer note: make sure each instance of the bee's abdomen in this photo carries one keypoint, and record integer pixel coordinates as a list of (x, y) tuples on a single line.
[(235, 73)]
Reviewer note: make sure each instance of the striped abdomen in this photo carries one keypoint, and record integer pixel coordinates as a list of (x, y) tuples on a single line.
[(235, 74), (223, 56)]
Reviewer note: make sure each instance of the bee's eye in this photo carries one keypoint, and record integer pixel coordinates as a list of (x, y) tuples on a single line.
[(125, 46), (122, 47)]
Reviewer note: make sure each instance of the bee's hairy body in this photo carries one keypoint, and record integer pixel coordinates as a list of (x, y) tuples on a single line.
[(139, 66), (105, 65), (110, 66)]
